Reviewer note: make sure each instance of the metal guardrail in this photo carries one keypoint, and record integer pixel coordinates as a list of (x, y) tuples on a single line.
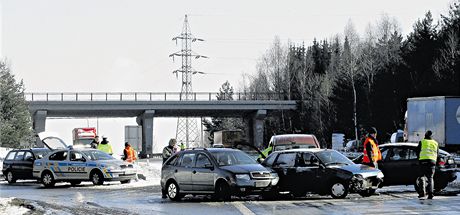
[(147, 96)]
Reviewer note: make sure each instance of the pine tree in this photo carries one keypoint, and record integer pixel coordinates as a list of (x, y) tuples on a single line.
[(15, 122)]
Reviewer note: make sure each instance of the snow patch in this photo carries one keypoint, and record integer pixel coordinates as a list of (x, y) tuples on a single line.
[(7, 207)]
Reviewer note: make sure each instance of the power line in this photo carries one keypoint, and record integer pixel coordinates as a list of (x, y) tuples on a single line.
[(187, 128)]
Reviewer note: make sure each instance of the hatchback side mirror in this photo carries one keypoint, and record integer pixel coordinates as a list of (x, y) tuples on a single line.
[(209, 166)]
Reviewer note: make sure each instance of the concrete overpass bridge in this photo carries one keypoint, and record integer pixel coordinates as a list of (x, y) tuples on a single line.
[(252, 107)]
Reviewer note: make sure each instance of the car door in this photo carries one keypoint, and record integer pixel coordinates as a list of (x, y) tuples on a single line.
[(203, 174), (307, 172), (28, 164), (284, 165), (76, 167), (18, 165), (183, 171), (399, 166), (57, 163)]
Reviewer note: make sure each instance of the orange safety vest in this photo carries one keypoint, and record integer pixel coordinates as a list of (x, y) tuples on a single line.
[(376, 154), (131, 154)]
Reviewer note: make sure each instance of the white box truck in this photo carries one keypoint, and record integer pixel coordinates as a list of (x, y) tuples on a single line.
[(133, 135), (440, 114)]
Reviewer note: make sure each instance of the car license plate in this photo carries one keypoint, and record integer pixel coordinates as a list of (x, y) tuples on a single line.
[(260, 184), (115, 175)]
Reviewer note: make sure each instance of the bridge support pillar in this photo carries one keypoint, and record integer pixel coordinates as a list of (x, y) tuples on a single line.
[(146, 121), (39, 123), (256, 127)]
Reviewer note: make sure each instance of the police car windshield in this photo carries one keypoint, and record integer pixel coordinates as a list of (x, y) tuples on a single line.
[(97, 155)]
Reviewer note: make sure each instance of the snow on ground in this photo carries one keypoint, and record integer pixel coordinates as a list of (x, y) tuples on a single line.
[(11, 207)]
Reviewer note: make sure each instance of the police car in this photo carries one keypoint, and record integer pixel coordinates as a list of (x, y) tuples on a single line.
[(74, 165)]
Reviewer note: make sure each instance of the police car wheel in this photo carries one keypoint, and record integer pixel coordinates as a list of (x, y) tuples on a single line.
[(97, 178), (10, 177), (48, 179)]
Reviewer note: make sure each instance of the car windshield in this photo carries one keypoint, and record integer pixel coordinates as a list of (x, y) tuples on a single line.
[(330, 157), (229, 158), (294, 146), (97, 155)]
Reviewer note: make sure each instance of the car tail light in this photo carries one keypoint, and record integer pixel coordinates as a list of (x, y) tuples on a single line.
[(441, 163)]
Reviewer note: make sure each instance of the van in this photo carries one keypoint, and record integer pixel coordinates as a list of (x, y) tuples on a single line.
[(291, 141)]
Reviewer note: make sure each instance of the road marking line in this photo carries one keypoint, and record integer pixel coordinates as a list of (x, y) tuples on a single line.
[(242, 208)]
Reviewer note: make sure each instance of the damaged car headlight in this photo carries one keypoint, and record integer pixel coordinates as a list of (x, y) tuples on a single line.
[(242, 177), (358, 177), (380, 175)]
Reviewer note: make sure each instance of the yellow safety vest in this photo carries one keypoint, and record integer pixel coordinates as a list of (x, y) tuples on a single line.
[(107, 148), (429, 150)]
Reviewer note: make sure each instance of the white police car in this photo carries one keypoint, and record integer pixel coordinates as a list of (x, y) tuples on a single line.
[(74, 165)]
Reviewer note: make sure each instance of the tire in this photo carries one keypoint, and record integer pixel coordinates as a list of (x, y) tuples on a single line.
[(74, 183), (338, 189), (10, 177), (48, 179), (367, 193), (97, 178), (173, 191), (270, 195), (299, 193), (222, 191), (125, 182)]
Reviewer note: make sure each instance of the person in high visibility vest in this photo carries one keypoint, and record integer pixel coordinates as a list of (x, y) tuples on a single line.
[(182, 146), (428, 155), (371, 151), (129, 153), (105, 146)]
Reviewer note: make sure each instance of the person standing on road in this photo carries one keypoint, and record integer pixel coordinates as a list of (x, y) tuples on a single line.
[(371, 151), (182, 146), (105, 146), (169, 150), (95, 142), (129, 153), (428, 155)]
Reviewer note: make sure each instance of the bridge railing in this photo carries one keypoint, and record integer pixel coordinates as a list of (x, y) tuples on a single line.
[(148, 96)]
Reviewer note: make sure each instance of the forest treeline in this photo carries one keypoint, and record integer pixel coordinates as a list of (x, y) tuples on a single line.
[(364, 77)]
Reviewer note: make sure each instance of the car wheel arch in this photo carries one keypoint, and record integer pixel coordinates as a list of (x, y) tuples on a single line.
[(221, 180)]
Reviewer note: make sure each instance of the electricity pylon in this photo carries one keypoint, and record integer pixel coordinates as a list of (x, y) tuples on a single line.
[(187, 129)]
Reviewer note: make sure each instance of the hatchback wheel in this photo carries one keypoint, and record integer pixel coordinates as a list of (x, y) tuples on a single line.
[(173, 191), (48, 179), (97, 178), (339, 190), (222, 191), (10, 177)]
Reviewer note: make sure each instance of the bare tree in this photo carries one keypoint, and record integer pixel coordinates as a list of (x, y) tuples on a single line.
[(350, 65)]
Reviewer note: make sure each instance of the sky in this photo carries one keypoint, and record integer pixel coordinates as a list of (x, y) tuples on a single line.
[(123, 45)]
